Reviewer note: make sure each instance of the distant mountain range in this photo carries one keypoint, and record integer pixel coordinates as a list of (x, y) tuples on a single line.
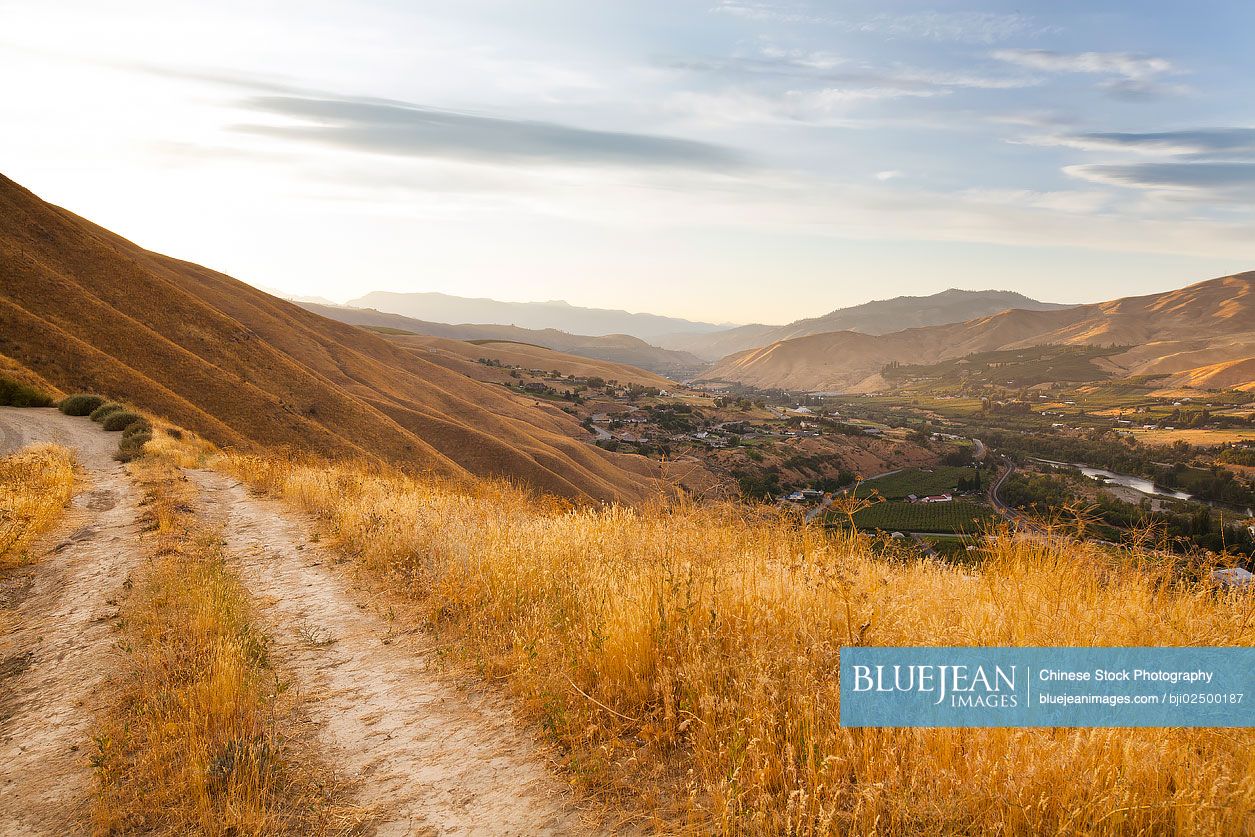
[(1202, 335), (879, 317), (598, 322), (617, 348)]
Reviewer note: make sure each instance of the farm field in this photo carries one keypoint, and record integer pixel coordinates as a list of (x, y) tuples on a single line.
[(1012, 367), (1198, 437), (919, 481), (957, 517)]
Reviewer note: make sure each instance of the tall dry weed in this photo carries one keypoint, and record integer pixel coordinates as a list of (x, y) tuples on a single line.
[(35, 485), (203, 734), (687, 658)]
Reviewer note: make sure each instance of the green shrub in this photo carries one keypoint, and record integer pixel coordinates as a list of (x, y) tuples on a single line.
[(80, 404), (16, 394), (137, 428), (103, 410), (121, 420), (133, 440), (1238, 456)]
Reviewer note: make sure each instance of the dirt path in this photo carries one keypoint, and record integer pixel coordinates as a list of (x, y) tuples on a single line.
[(61, 648), (429, 759)]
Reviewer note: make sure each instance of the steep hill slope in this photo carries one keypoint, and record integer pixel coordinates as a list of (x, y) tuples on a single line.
[(443, 308), (879, 317), (86, 309), (616, 348), (458, 354), (1199, 326)]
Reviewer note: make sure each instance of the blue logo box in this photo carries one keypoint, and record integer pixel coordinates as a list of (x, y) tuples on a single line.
[(1047, 687)]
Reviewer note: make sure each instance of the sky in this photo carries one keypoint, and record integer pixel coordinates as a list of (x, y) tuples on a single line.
[(725, 160)]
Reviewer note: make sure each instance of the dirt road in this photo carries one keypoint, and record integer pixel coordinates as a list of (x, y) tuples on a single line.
[(61, 647), (428, 758)]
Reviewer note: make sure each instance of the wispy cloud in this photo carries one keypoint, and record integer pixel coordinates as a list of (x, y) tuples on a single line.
[(1197, 142), (829, 69), (1235, 180), (969, 27), (1128, 76), (827, 106), (1205, 162), (1113, 63), (411, 130), (774, 84)]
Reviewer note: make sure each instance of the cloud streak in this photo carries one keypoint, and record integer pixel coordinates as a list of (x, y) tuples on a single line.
[(1098, 63), (410, 130), (963, 27), (1232, 179), (1197, 142), (832, 70), (1128, 76)]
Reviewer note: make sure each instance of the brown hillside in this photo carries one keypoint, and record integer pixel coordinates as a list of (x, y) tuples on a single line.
[(1202, 325), (879, 317), (616, 348), (86, 309), (456, 354)]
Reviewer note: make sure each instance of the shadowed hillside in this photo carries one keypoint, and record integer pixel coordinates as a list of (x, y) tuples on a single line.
[(464, 356), (88, 310), (616, 348)]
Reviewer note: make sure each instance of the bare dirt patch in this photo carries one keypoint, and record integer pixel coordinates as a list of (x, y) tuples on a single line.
[(60, 644), (428, 757)]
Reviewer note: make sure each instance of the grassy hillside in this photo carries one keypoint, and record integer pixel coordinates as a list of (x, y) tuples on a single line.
[(526, 356), (86, 310), (616, 348), (1013, 368), (686, 658)]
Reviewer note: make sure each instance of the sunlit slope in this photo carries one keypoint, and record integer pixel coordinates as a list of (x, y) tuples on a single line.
[(1202, 325), (86, 309), (879, 317)]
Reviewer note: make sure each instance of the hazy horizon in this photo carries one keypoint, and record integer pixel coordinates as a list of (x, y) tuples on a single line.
[(730, 161), (348, 302)]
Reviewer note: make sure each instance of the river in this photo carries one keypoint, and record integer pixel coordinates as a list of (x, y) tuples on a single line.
[(1140, 484)]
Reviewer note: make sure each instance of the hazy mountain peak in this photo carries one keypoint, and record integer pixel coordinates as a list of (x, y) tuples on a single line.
[(881, 316), (1201, 334), (558, 314)]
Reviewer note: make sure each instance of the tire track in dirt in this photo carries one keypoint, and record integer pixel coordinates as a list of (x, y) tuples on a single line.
[(428, 759), (55, 659)]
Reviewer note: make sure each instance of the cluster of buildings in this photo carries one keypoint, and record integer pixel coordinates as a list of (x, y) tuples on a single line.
[(805, 495)]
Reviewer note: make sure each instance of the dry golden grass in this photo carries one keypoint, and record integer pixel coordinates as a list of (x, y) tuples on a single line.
[(1200, 437), (178, 447), (35, 485), (687, 659), (203, 735)]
